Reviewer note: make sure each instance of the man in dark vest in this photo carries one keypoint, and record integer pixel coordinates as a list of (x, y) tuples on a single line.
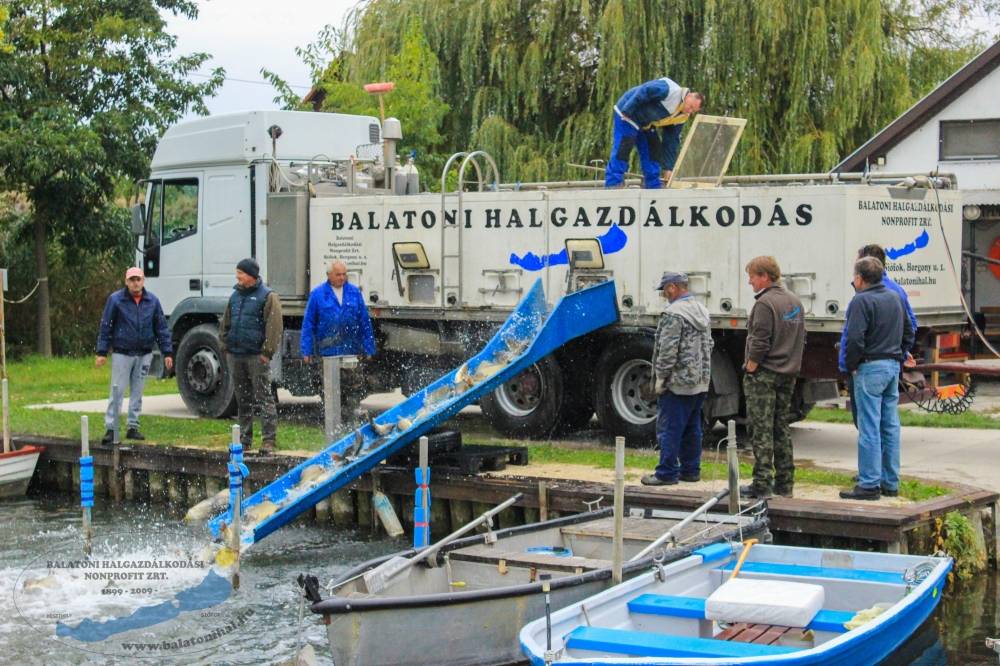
[(250, 334)]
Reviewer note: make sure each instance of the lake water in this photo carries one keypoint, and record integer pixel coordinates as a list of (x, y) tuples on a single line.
[(147, 559)]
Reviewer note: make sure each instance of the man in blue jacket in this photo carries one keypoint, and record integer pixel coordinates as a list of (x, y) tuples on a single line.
[(879, 336), (336, 323), (877, 252), (659, 104), (131, 324)]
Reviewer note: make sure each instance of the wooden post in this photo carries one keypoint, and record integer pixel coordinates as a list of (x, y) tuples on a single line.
[(342, 508), (323, 511), (88, 532), (543, 501), (733, 458), (332, 416), (617, 550), (3, 367)]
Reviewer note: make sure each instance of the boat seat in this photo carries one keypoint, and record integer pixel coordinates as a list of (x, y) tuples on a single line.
[(694, 607), (801, 570), (648, 644), (485, 554)]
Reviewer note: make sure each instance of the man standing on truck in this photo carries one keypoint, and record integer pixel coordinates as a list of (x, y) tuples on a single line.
[(879, 336), (776, 337), (131, 323), (336, 323), (250, 334), (661, 105), (682, 365), (877, 252)]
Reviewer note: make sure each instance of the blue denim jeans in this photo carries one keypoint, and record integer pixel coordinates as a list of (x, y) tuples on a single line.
[(876, 392), (678, 430), (624, 138)]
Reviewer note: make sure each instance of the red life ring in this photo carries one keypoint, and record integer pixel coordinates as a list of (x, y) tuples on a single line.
[(995, 255)]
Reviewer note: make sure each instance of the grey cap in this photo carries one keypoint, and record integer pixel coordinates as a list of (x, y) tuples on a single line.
[(670, 277)]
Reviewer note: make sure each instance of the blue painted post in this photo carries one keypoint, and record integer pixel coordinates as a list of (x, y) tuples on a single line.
[(86, 484), (422, 501), (237, 472)]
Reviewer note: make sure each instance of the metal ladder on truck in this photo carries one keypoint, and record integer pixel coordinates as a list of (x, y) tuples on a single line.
[(451, 229)]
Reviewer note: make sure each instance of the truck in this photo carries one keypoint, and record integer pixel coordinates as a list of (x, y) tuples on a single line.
[(441, 270)]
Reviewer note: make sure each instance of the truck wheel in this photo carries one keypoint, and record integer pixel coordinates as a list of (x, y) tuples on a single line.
[(528, 405), (800, 408), (623, 374), (205, 382), (578, 404)]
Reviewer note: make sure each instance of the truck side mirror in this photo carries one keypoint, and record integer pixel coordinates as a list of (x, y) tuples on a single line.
[(138, 219)]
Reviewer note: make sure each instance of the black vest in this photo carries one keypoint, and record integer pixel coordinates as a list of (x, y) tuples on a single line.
[(246, 320)]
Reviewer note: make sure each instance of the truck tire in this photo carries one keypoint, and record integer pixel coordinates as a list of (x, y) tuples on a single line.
[(800, 408), (578, 384), (620, 400), (204, 380), (530, 404)]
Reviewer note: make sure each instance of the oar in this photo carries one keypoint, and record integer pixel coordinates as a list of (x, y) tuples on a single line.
[(670, 534), (746, 551), (378, 578)]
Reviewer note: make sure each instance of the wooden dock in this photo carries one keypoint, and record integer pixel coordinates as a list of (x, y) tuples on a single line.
[(186, 475)]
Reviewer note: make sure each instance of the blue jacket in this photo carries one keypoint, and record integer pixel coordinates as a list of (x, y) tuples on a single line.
[(655, 105), (336, 329), (877, 328), (133, 328), (891, 285)]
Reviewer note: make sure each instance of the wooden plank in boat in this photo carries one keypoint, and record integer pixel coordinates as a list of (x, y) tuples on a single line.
[(491, 555), (636, 528)]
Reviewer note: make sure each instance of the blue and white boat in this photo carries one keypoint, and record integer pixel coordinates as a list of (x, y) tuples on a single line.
[(784, 606)]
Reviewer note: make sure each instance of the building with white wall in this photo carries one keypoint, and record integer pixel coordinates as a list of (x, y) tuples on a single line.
[(955, 129)]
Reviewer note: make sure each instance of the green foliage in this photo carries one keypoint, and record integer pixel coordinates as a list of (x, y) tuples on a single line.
[(957, 537), (85, 91), (533, 82)]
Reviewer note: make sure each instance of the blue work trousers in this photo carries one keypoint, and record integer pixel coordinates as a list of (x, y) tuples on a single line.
[(625, 137), (876, 393), (678, 430)]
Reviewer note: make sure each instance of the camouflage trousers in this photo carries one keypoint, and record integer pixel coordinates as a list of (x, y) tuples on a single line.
[(769, 404)]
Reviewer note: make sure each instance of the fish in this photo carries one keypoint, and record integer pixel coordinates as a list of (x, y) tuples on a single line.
[(357, 444), (438, 395), (41, 583), (382, 429), (462, 377), (207, 508), (226, 557), (308, 475), (515, 346), (485, 370), (404, 424), (259, 512), (207, 554), (421, 413)]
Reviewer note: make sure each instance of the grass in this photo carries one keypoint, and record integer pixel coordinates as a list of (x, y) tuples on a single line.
[(912, 418), (36, 380)]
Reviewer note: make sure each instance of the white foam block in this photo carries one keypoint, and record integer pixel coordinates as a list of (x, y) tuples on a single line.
[(775, 602)]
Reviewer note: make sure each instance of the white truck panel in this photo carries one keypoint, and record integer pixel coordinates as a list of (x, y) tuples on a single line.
[(813, 231)]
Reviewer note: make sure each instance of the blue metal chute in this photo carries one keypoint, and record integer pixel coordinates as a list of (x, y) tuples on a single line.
[(529, 334)]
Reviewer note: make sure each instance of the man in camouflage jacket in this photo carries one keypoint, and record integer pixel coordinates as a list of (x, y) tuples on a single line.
[(682, 359)]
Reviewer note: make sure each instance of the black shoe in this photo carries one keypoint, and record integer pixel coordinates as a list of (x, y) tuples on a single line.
[(784, 492), (109, 437), (752, 492), (133, 433), (890, 493), (859, 493), (691, 478), (653, 480)]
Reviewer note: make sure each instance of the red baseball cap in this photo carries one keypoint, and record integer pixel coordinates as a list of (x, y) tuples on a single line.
[(135, 271)]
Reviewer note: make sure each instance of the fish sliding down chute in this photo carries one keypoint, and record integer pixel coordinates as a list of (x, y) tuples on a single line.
[(528, 335)]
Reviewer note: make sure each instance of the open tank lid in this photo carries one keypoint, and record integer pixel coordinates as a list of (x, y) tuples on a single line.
[(239, 138)]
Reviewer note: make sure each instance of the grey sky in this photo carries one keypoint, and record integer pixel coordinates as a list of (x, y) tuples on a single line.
[(244, 35)]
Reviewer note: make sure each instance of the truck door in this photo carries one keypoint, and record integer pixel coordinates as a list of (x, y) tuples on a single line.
[(172, 246), (226, 228)]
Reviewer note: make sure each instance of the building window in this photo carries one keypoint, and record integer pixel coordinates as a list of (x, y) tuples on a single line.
[(970, 139)]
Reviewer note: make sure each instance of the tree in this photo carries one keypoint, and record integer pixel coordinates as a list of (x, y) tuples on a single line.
[(85, 91), (535, 80)]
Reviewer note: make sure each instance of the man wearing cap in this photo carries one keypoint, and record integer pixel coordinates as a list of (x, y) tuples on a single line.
[(250, 334), (661, 105), (682, 363), (132, 322), (776, 338)]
